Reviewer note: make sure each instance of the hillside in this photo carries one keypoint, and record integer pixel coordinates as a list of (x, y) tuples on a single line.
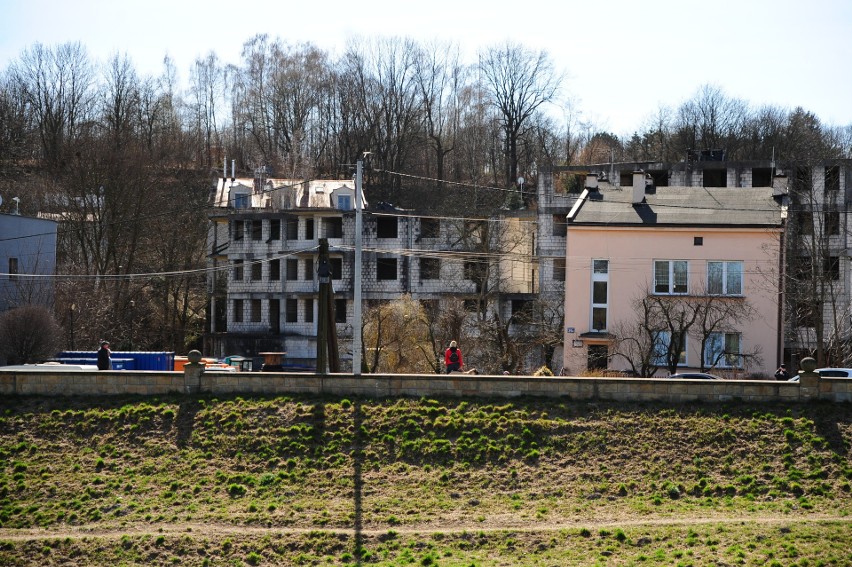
[(327, 481)]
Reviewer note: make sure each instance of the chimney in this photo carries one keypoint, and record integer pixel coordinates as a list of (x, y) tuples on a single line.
[(233, 170), (592, 181), (638, 187), (779, 184)]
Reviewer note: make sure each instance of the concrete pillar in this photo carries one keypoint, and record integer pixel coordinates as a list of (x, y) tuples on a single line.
[(808, 379), (192, 372)]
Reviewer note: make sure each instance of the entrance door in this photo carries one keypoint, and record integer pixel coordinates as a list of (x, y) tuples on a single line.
[(598, 357)]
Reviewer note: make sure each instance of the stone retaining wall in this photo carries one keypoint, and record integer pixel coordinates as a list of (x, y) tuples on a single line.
[(49, 383)]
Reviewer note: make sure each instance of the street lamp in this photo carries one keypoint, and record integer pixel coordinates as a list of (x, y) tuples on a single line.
[(132, 309), (73, 308)]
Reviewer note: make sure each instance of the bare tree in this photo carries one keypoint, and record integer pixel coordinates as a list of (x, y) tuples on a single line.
[(518, 82), (29, 334)]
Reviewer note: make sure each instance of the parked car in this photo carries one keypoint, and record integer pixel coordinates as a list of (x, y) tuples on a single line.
[(829, 373), (694, 376)]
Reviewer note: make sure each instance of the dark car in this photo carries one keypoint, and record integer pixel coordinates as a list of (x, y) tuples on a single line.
[(695, 376)]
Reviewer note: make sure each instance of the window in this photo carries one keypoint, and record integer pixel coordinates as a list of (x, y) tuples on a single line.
[(292, 269), (806, 223), (522, 308), (256, 230), (725, 278), (387, 227), (723, 350), (291, 315), (831, 222), (559, 269), (241, 200), (698, 241), (238, 228), (560, 225), (333, 227), (339, 310), (430, 228), (292, 229), (256, 306), (238, 270), (13, 268), (309, 229), (336, 265), (309, 310), (832, 178), (344, 202), (309, 269), (600, 287), (386, 269), (670, 276), (663, 343), (256, 271), (831, 268), (275, 229), (430, 268), (238, 311)]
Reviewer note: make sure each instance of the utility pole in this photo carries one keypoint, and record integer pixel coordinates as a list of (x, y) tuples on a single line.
[(356, 324)]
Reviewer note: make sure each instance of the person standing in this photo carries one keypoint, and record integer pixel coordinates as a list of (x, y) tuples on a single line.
[(781, 373), (453, 358), (104, 357)]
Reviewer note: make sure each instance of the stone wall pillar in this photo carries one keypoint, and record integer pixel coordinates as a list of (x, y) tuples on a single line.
[(808, 379), (192, 372)]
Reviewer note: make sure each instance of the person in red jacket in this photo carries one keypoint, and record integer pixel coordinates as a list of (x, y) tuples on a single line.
[(453, 358)]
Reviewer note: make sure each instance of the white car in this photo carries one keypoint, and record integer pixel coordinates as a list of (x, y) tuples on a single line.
[(829, 373)]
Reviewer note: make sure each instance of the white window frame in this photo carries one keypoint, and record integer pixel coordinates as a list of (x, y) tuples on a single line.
[(600, 273), (715, 354), (671, 272), (723, 287), (661, 347)]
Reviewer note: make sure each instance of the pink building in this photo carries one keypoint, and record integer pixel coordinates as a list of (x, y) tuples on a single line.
[(682, 278)]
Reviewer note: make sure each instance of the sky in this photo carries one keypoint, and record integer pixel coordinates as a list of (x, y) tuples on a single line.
[(623, 60)]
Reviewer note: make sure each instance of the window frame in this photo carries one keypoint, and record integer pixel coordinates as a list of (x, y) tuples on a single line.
[(661, 349), (723, 359), (672, 284), (725, 274)]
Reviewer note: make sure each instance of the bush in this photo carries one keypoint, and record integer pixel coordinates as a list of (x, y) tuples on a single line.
[(543, 371)]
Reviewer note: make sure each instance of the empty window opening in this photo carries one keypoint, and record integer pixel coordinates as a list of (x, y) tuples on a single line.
[(387, 227), (292, 227), (430, 228), (292, 269), (430, 268), (336, 265), (715, 178), (333, 227), (292, 310), (386, 269), (339, 310)]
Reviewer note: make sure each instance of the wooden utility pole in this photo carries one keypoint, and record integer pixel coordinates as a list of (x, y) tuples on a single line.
[(328, 358)]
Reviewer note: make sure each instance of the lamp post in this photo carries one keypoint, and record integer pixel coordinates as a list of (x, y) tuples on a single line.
[(73, 308), (132, 309)]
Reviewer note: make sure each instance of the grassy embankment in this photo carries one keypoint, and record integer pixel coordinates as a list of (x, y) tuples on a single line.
[(329, 481)]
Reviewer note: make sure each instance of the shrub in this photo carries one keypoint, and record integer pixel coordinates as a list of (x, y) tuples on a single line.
[(543, 371)]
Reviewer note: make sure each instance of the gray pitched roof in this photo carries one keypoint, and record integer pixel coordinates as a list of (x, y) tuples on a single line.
[(680, 206)]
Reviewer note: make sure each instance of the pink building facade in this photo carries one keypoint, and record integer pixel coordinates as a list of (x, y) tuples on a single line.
[(630, 247)]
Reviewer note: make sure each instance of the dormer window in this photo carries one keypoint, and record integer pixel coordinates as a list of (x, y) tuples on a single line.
[(241, 200)]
